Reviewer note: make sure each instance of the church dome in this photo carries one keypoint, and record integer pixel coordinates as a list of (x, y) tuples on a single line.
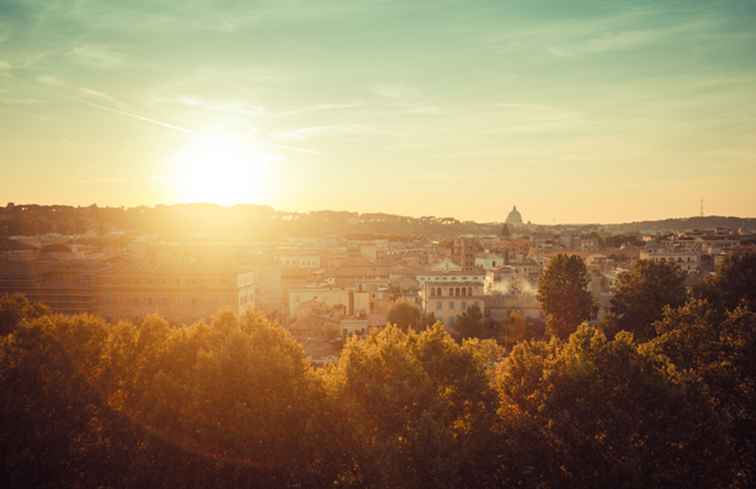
[(514, 216)]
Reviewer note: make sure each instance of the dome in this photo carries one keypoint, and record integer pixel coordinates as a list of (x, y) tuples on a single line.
[(514, 216)]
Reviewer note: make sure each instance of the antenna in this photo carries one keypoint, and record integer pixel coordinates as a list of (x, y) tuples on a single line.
[(702, 214)]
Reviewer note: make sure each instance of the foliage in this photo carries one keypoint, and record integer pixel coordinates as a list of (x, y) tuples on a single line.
[(641, 295), (719, 353), (419, 408), (471, 324), (733, 284), (233, 402), (14, 308), (599, 413), (406, 316), (564, 295)]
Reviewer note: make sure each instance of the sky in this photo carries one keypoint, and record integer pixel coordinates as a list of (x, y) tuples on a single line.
[(580, 111)]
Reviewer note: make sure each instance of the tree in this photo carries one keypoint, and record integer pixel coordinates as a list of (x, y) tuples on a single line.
[(734, 283), (719, 353), (564, 295), (470, 324), (641, 295), (406, 316), (600, 413), (16, 308), (419, 408)]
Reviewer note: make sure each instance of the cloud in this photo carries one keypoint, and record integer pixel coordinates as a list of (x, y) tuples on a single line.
[(96, 56), (424, 110), (305, 133), (612, 36), (102, 97), (320, 108), (234, 108), (139, 117), (523, 118), (390, 91), (50, 80), (19, 101)]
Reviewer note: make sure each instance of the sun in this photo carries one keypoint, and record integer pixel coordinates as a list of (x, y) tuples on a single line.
[(223, 168)]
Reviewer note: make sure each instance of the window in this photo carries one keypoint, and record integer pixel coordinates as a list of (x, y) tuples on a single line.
[(456, 292), (439, 305), (451, 305), (464, 305)]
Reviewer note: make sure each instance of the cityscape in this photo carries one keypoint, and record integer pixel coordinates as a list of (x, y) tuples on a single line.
[(371, 244)]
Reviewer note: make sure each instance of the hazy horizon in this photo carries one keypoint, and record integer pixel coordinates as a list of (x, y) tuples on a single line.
[(378, 211), (576, 112)]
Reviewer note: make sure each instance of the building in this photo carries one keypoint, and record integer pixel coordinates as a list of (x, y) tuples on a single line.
[(514, 217), (446, 265), (447, 300), (464, 251), (489, 261), (353, 302), (688, 261), (477, 276), (500, 307), (310, 261), (245, 286)]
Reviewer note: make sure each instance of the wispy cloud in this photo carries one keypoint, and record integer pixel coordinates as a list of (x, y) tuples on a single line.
[(50, 80), (320, 108), (96, 56), (101, 96), (622, 40), (19, 101), (139, 117), (424, 110), (234, 108), (392, 90), (306, 133), (534, 118)]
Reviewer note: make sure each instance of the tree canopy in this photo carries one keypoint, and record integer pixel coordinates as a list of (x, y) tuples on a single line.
[(564, 295), (641, 295), (234, 402)]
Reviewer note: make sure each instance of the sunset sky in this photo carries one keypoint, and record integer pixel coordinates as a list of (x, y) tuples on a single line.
[(576, 111)]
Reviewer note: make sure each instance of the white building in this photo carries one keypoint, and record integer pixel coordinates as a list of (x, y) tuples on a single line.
[(687, 260), (446, 265), (463, 276), (310, 261), (489, 261), (447, 300), (245, 286)]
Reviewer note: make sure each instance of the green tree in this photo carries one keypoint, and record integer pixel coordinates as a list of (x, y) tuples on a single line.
[(564, 295), (420, 410), (406, 316), (719, 353), (733, 283), (591, 412), (641, 295), (16, 308), (471, 324)]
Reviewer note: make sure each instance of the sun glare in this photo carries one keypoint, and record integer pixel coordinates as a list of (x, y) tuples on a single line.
[(224, 169)]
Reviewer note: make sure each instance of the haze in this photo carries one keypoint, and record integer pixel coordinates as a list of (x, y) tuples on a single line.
[(575, 111)]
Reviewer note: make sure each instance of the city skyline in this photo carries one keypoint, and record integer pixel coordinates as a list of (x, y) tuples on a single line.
[(593, 112)]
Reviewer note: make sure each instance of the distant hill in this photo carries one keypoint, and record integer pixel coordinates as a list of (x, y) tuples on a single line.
[(253, 222), (680, 224)]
